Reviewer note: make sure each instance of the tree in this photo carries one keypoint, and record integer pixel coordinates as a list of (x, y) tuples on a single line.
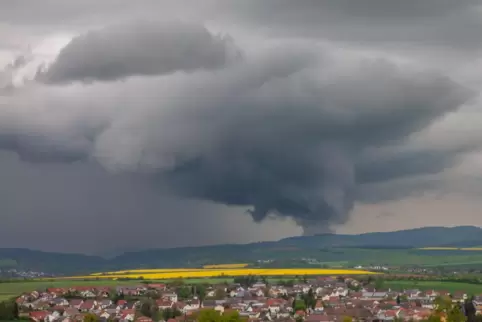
[(379, 283), (184, 292), (115, 297), (442, 304), (8, 310), (309, 299), (200, 291), (232, 316), (299, 305), (455, 314), (170, 314), (220, 294), (209, 316), (147, 309), (91, 318)]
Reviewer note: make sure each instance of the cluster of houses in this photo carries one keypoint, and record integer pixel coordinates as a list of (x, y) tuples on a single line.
[(334, 300)]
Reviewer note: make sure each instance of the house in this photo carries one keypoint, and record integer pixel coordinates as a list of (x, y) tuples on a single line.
[(170, 296), (191, 306), (143, 319), (274, 305), (56, 291), (157, 286), (87, 294), (319, 291), (59, 301), (127, 315), (376, 296), (38, 316), (318, 318), (104, 303), (54, 316), (106, 315), (87, 306), (163, 304), (319, 306), (212, 304), (76, 303), (69, 312)]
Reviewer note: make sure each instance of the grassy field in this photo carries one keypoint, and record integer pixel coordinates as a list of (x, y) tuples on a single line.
[(8, 290), (404, 257), (434, 285), (453, 248)]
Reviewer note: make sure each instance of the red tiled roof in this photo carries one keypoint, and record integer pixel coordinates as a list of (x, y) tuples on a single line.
[(75, 302), (164, 303), (38, 315), (82, 288), (157, 285), (87, 304), (143, 319)]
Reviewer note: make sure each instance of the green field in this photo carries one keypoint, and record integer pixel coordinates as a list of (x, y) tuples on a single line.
[(475, 289), (400, 257), (8, 290)]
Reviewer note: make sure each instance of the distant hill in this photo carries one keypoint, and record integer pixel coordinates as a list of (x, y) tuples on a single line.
[(411, 238), (325, 247)]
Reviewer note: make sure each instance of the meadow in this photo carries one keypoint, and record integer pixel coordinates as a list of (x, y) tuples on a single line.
[(453, 248), (8, 290), (474, 289)]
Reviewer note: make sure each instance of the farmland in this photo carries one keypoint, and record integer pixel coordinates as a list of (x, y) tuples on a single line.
[(453, 248), (159, 274), (8, 290), (434, 285)]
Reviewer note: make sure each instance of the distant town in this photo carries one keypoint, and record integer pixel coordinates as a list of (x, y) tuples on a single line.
[(246, 298)]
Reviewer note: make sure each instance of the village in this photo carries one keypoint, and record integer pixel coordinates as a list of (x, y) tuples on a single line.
[(314, 300)]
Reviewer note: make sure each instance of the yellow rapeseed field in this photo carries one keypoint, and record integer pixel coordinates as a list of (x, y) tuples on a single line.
[(199, 273)]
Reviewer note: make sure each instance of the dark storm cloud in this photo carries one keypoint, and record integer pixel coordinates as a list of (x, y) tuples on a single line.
[(79, 207), (140, 48), (452, 24), (299, 130), (282, 132)]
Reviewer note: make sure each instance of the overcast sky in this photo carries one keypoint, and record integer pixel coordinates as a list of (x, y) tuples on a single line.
[(140, 124)]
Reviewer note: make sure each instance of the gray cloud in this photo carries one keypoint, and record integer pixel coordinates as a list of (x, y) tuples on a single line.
[(79, 207), (282, 132), (297, 128), (140, 48), (445, 23)]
